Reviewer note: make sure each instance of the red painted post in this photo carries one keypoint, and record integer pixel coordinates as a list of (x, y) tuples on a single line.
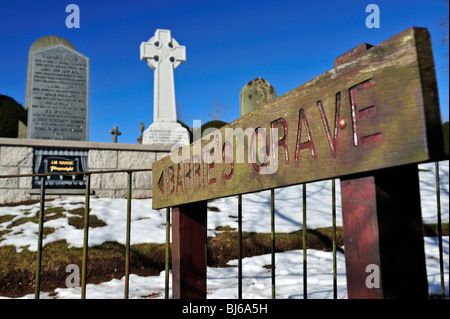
[(188, 251), (383, 238)]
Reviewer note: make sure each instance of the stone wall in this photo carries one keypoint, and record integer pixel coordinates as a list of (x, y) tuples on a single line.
[(15, 160), (16, 157)]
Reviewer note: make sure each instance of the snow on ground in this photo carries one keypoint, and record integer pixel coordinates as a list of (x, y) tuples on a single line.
[(148, 226), (222, 282)]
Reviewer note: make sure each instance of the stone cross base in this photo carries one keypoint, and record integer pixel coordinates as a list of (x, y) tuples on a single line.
[(166, 134)]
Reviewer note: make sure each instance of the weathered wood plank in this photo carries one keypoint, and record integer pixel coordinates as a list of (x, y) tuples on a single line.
[(188, 251), (375, 109), (383, 238)]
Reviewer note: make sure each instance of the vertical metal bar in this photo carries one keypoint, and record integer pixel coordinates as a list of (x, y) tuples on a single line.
[(239, 246), (127, 244), (166, 284), (272, 237), (37, 287), (333, 217), (86, 235), (438, 203), (305, 287)]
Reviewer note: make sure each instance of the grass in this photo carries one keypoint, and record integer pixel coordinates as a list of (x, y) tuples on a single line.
[(78, 221), (432, 229), (105, 262)]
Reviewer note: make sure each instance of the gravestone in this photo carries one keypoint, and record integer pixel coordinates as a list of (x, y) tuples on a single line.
[(57, 102), (254, 94), (57, 91), (163, 54)]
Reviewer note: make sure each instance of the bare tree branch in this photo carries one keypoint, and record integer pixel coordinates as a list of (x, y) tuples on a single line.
[(215, 112), (181, 116)]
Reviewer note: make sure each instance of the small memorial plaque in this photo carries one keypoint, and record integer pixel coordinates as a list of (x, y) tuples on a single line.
[(60, 161)]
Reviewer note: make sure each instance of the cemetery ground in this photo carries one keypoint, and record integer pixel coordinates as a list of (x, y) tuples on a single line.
[(63, 239), (106, 261)]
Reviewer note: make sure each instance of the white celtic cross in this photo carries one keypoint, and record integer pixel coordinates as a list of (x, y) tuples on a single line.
[(163, 54)]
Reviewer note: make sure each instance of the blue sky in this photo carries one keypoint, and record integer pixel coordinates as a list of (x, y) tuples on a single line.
[(228, 43)]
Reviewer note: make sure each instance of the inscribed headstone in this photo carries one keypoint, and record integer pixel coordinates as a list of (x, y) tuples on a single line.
[(57, 91)]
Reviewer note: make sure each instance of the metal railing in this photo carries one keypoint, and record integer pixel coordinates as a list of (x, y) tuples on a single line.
[(43, 178), (167, 245)]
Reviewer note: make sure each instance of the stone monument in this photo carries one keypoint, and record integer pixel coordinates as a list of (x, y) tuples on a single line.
[(254, 94), (163, 54), (57, 98), (57, 102), (115, 132)]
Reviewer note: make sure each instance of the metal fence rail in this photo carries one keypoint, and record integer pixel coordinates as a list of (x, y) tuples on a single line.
[(129, 172), (43, 178)]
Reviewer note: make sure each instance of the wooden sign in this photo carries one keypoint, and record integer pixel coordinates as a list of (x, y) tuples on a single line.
[(375, 109)]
